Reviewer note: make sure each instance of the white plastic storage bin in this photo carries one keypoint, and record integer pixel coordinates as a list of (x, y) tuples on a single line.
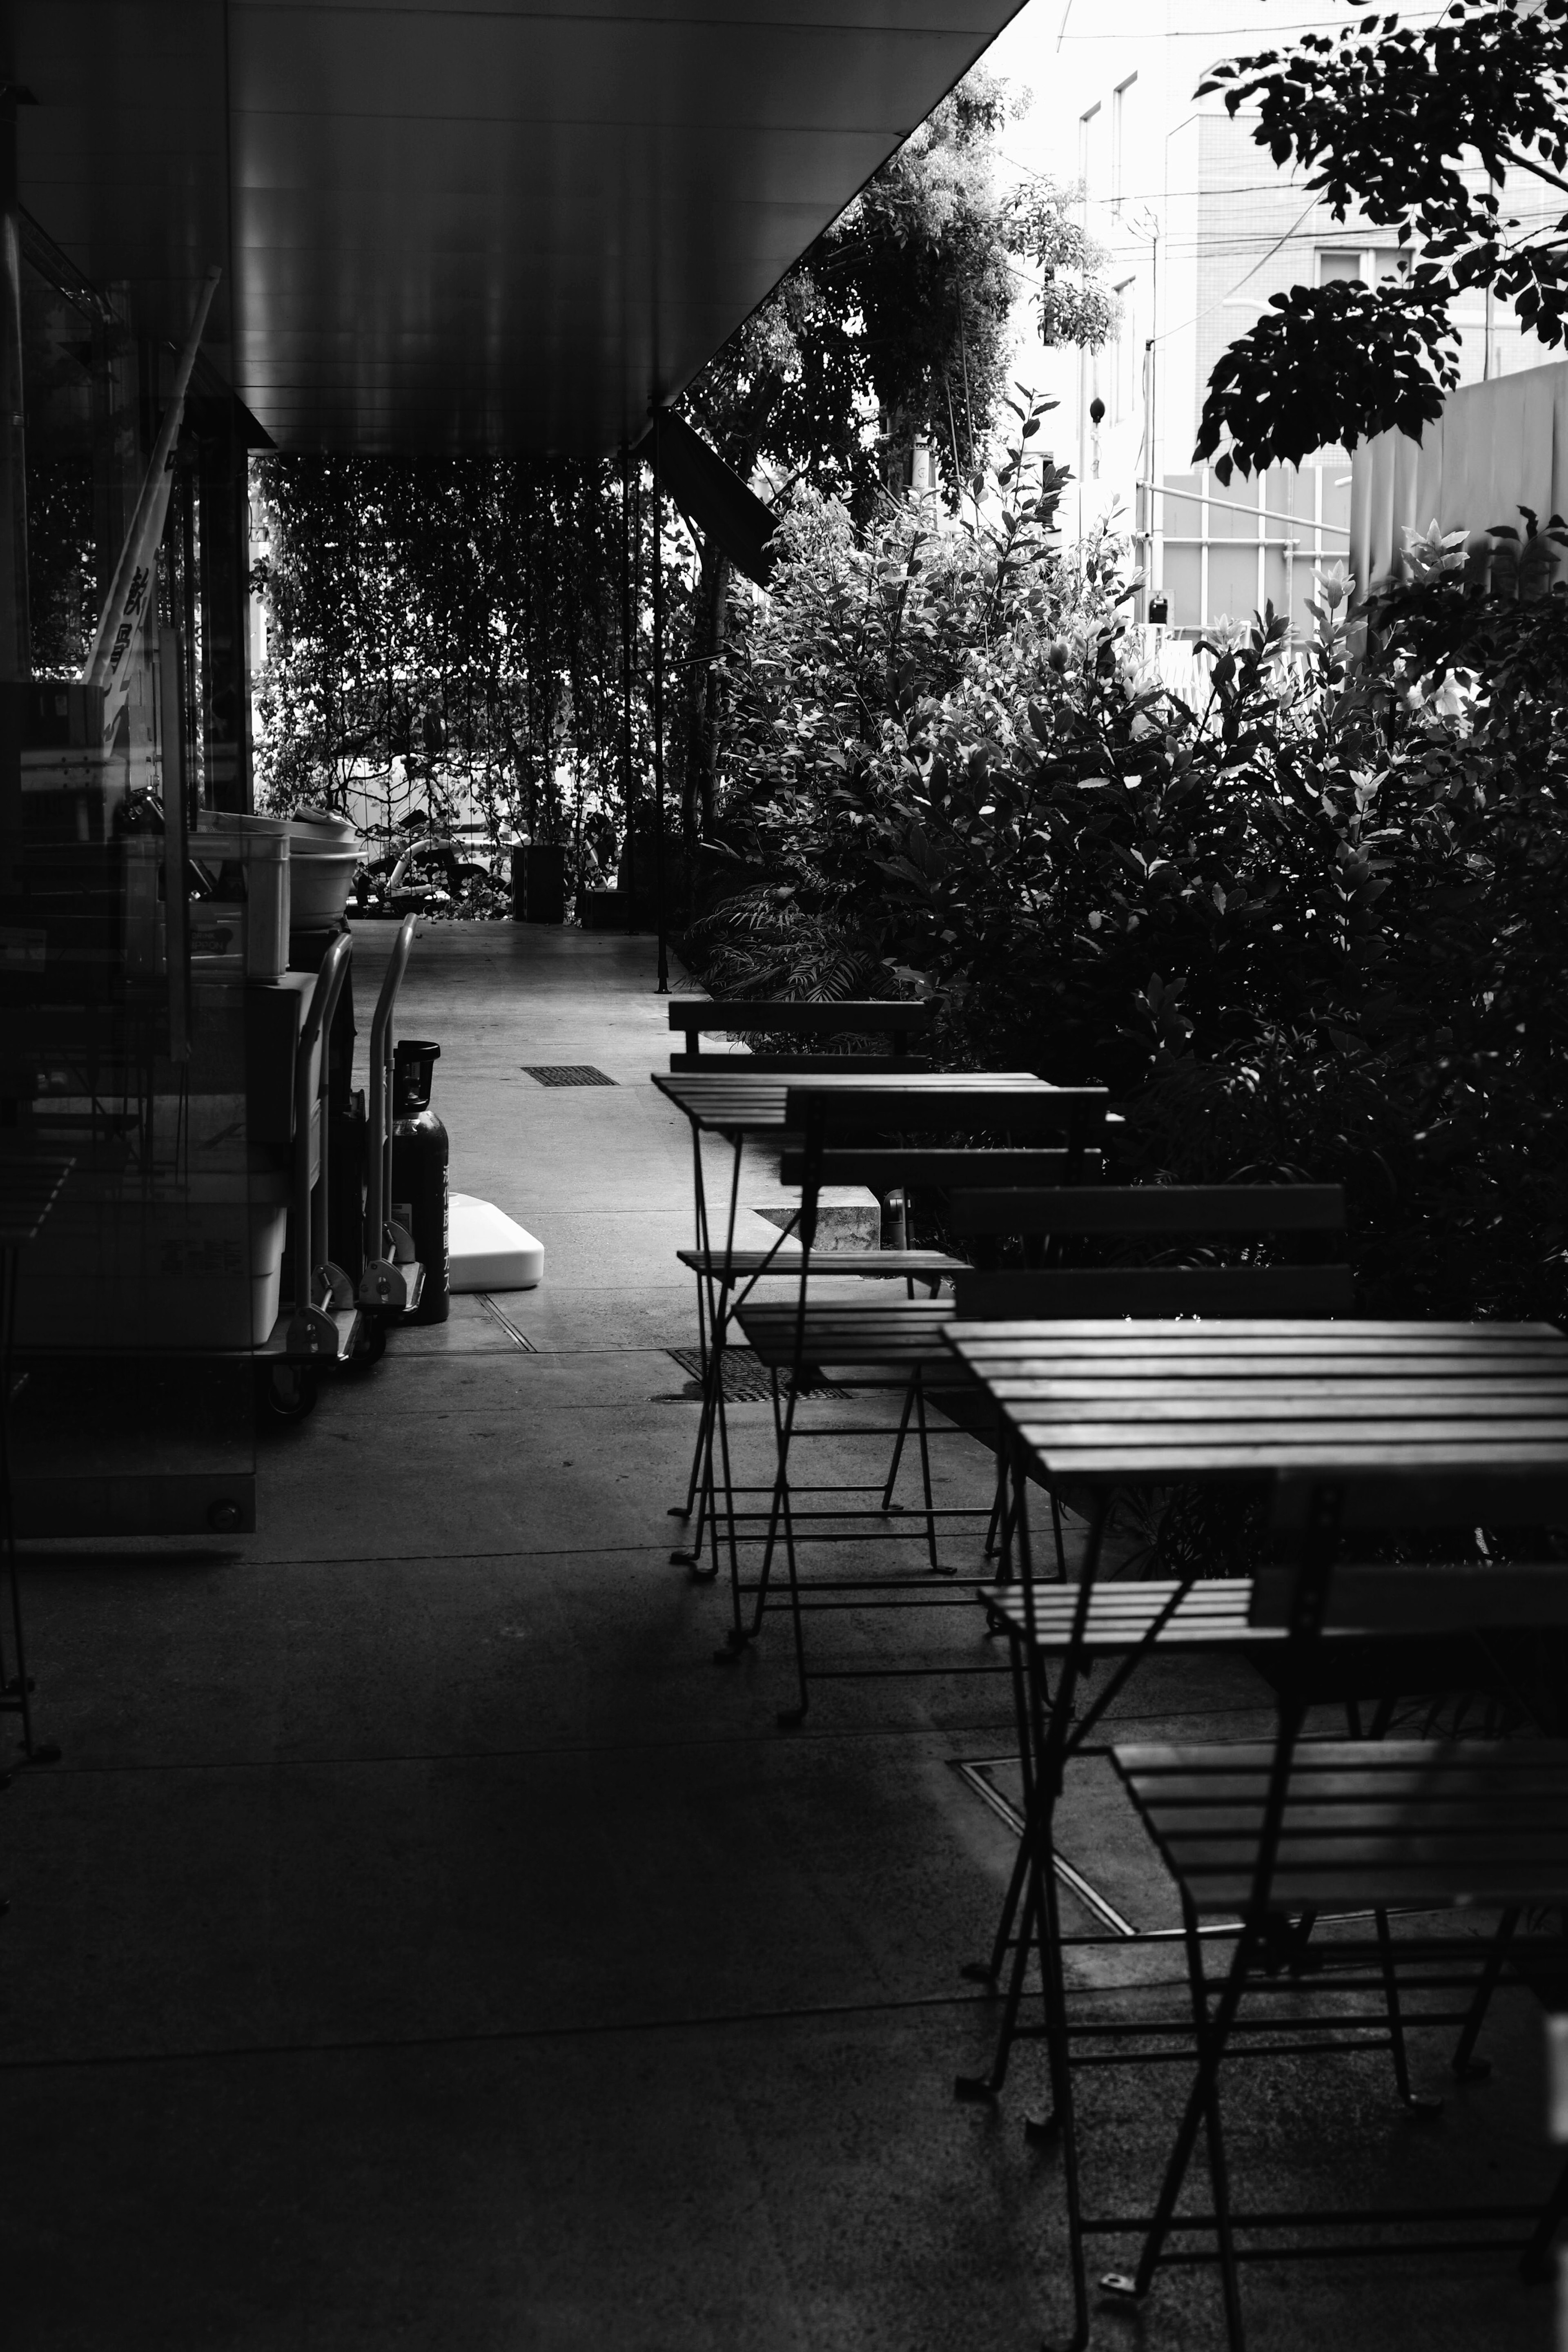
[(269, 1227), (324, 851)]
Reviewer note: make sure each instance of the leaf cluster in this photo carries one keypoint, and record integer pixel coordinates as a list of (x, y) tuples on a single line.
[(1417, 128), (894, 325), (459, 617), (1308, 923)]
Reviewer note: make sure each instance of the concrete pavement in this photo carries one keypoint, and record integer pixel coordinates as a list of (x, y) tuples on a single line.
[(423, 1943)]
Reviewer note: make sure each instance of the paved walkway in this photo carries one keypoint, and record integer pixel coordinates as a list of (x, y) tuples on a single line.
[(424, 1944)]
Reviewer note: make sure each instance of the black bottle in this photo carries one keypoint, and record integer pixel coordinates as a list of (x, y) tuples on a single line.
[(419, 1185)]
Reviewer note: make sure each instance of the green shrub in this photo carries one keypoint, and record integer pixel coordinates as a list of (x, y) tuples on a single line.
[(1312, 925)]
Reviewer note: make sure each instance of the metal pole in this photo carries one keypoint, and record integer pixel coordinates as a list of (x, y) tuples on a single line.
[(16, 651), (176, 812), (627, 656), (1153, 547), (663, 982)]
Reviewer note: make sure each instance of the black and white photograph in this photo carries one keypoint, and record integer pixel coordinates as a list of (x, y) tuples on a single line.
[(783, 1176)]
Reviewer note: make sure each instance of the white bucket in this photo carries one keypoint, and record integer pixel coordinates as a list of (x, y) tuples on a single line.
[(325, 850)]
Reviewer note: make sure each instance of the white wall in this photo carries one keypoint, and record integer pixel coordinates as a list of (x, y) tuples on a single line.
[(1200, 227)]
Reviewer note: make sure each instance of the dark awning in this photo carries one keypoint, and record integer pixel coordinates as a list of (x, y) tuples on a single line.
[(444, 227), (712, 495)]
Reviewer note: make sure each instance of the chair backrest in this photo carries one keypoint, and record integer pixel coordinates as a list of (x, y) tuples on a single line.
[(858, 1119), (697, 1016), (1400, 1597), (1014, 1293), (1082, 1292), (1424, 1596), (1017, 1105), (1152, 1208), (794, 1065), (975, 1166)]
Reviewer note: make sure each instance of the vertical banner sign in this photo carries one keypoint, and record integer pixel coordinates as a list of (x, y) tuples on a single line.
[(110, 664)]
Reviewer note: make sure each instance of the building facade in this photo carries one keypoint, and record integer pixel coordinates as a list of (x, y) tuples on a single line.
[(1200, 231)]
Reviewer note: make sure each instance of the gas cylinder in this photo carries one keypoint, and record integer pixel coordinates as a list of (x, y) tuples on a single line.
[(419, 1173)]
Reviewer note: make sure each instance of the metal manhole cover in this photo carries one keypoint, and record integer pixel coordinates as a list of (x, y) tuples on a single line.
[(566, 1074), (746, 1380)]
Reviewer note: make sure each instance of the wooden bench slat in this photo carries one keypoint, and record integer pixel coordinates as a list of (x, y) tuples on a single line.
[(1365, 1822), (976, 1165), (1388, 1402), (1014, 1293), (1345, 1755), (1350, 1457), (1340, 1890), (749, 1262), (1373, 1425), (699, 1014), (1260, 1334), (1027, 1396), (1152, 1208), (801, 1065)]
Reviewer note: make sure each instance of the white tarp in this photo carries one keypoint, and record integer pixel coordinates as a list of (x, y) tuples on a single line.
[(1497, 446)]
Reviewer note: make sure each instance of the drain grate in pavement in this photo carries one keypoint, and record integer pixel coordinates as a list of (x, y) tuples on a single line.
[(566, 1074), (746, 1380), (1127, 1870), (988, 1778), (499, 1314)]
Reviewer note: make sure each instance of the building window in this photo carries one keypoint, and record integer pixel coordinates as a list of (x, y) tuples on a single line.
[(1085, 121), (1118, 139), (1366, 265)]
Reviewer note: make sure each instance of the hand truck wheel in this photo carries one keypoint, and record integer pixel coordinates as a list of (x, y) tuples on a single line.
[(288, 1390)]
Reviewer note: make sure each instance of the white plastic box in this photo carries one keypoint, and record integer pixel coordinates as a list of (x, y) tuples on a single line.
[(488, 1250)]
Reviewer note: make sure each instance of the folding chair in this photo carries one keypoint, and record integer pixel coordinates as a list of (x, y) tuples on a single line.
[(900, 1022), (718, 1271), (730, 1276), (1264, 1834), (1129, 1618), (843, 1139)]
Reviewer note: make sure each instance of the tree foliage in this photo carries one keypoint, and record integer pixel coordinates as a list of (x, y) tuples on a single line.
[(1074, 305), (485, 594), (892, 329), (1415, 127), (458, 617), (1308, 923)]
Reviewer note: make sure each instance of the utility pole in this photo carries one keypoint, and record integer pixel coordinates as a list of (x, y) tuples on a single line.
[(662, 988), (15, 649), (627, 656)]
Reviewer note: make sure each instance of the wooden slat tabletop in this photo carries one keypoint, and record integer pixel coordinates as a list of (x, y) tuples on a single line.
[(721, 1102), (1145, 1401)]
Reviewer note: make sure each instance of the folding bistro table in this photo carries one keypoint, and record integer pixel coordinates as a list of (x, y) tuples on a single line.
[(1373, 1424), (733, 1104)]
